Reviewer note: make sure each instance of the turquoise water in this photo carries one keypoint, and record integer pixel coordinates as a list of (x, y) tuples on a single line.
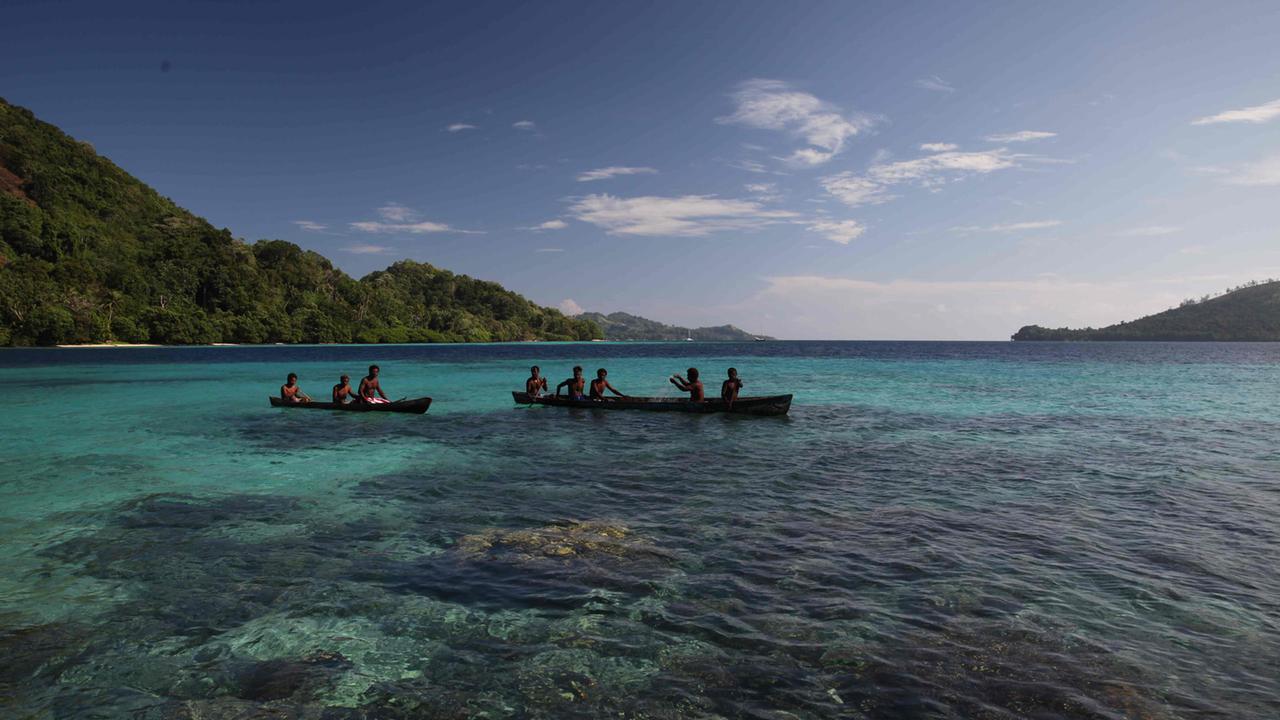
[(936, 530)]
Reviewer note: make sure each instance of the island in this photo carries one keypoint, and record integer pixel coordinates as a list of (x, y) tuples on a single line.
[(1250, 312), (624, 326)]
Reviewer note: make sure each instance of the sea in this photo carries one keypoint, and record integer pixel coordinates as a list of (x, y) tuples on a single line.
[(936, 530)]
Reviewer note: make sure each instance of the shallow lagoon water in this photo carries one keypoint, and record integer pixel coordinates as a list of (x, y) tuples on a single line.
[(937, 530)]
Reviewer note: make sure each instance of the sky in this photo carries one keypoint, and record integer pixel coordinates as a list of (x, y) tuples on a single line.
[(870, 170)]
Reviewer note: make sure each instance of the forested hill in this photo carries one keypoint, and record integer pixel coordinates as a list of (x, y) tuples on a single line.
[(621, 326), (89, 253), (1250, 312)]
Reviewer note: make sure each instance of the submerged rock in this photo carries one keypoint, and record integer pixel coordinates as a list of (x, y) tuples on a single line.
[(562, 540)]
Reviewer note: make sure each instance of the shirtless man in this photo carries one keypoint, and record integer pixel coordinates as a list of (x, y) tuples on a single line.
[(342, 392), (290, 392), (536, 384), (729, 388), (599, 385), (369, 385), (576, 384), (693, 385)]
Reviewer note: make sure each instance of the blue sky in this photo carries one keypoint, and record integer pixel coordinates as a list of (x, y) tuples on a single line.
[(806, 170)]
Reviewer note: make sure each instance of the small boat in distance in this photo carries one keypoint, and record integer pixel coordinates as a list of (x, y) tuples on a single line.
[(761, 405), (417, 406)]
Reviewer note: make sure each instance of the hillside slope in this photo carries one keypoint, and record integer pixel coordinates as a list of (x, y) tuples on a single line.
[(89, 253), (623, 326), (1248, 313)]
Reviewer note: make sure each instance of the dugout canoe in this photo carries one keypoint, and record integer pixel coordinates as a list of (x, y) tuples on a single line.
[(417, 406), (761, 405)]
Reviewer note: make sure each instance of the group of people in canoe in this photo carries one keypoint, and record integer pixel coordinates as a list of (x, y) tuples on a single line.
[(578, 389), (369, 390)]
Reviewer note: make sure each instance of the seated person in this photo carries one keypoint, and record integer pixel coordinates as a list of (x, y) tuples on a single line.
[(290, 392), (536, 384), (575, 384), (342, 392), (693, 385), (600, 384), (729, 388), (369, 385)]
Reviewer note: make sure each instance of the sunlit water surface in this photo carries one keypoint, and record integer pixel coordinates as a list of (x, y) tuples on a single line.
[(937, 530)]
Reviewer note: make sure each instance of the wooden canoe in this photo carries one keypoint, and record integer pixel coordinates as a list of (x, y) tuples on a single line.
[(416, 406), (763, 405)]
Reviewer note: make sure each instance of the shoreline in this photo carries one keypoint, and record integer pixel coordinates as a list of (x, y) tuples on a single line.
[(108, 345)]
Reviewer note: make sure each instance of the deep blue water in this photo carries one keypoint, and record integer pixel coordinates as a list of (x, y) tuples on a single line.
[(937, 530)]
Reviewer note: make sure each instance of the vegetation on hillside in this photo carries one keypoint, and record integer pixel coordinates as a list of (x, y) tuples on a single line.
[(1250, 312), (622, 326), (88, 253)]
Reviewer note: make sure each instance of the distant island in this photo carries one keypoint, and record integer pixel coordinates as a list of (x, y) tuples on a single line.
[(90, 254), (623, 326), (1250, 312)]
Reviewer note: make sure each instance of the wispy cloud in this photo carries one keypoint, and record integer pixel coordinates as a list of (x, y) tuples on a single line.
[(459, 127), (1009, 227), (873, 186), (555, 224), (1149, 231), (1262, 172), (838, 231), (939, 147), (310, 226), (614, 171), (524, 125), (765, 192), (1020, 136), (935, 83), (367, 249), (396, 218), (775, 105), (570, 308), (549, 250), (684, 216), (1256, 114)]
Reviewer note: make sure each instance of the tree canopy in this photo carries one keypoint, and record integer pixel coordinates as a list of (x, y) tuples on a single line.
[(89, 253)]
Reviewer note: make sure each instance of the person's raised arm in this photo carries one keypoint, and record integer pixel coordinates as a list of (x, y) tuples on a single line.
[(563, 384), (680, 383)]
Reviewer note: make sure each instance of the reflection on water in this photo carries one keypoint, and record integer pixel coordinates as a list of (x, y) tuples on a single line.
[(853, 560)]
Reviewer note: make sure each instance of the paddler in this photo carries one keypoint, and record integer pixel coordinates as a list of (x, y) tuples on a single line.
[(729, 388), (290, 392), (693, 385), (536, 384), (342, 392), (576, 385), (369, 385), (600, 384)]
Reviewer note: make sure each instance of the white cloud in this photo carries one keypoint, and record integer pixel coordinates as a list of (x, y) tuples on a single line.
[(842, 231), (1150, 231), (570, 308), (614, 171), (556, 224), (684, 216), (311, 226), (765, 192), (459, 127), (1262, 172), (939, 147), (367, 249), (872, 187), (1009, 227), (524, 125), (395, 212), (1020, 136), (935, 83), (749, 166), (397, 218), (775, 105), (1256, 114)]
